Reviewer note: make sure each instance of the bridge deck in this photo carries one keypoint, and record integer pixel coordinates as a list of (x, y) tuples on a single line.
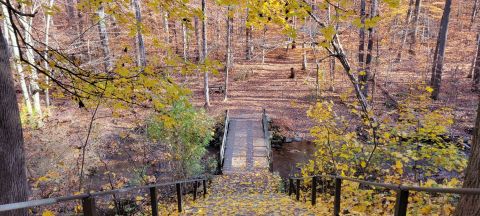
[(245, 149)]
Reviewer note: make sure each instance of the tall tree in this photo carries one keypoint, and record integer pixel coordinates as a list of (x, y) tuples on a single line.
[(474, 12), (16, 57), (13, 183), (248, 39), (439, 54), (371, 40), (205, 52), (362, 78), (416, 15), (228, 55), (406, 31), (476, 66), (142, 57), (198, 48), (48, 19), (102, 30), (470, 204)]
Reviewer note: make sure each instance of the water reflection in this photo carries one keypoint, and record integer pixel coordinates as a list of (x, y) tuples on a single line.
[(287, 157)]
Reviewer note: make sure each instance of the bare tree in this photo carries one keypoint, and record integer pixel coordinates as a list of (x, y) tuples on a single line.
[(416, 15), (371, 39), (228, 55), (102, 30), (205, 53), (142, 57), (474, 11), (48, 18), (406, 31), (439, 54), (13, 183), (362, 78), (198, 48)]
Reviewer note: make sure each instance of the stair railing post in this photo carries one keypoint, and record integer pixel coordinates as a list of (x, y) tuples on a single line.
[(401, 203), (88, 205), (204, 188), (314, 190), (179, 196), (153, 201), (195, 186), (338, 197), (297, 192), (290, 189)]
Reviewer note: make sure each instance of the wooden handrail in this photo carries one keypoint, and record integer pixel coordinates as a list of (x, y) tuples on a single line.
[(402, 191), (88, 199)]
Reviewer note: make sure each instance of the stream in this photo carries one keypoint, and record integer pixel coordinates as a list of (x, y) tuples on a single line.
[(286, 158)]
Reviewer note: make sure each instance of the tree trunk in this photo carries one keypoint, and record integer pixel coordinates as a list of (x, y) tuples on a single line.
[(16, 57), (476, 66), (248, 40), (371, 39), (416, 15), (405, 34), (35, 88), (362, 76), (205, 52), (102, 29), (13, 183), (474, 11), (142, 61), (439, 55), (304, 56), (470, 204), (47, 65), (185, 41), (198, 48), (229, 50), (264, 44), (166, 28)]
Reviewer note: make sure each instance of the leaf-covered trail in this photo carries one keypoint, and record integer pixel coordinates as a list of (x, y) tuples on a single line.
[(249, 193)]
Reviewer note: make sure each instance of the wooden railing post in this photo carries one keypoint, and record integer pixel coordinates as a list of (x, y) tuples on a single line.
[(290, 189), (337, 199), (179, 197), (153, 201), (204, 188), (88, 205), (401, 203), (297, 192), (314, 190), (195, 186)]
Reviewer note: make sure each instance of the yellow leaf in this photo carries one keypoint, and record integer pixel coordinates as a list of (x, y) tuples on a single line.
[(48, 213)]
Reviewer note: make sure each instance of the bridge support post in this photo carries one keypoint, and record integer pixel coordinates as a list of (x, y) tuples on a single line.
[(297, 192), (179, 196), (204, 188), (88, 205), (401, 203), (314, 190), (336, 202), (153, 201), (290, 189), (195, 186)]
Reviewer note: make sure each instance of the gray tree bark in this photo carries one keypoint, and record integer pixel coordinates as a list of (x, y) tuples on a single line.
[(47, 66), (198, 48), (470, 204), (205, 53), (439, 55), (474, 11), (405, 33), (371, 39), (228, 55), (142, 61), (13, 183), (416, 15), (102, 29), (361, 49), (476, 66)]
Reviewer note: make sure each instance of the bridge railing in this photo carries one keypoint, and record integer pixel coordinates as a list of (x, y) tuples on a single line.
[(224, 139), (88, 199), (402, 191), (268, 142)]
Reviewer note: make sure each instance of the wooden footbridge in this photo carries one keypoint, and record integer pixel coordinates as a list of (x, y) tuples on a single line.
[(246, 143)]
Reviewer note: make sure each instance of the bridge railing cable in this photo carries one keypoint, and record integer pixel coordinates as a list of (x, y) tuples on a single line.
[(402, 191), (88, 199)]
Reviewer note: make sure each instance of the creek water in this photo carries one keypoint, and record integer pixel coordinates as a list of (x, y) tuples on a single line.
[(287, 157)]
